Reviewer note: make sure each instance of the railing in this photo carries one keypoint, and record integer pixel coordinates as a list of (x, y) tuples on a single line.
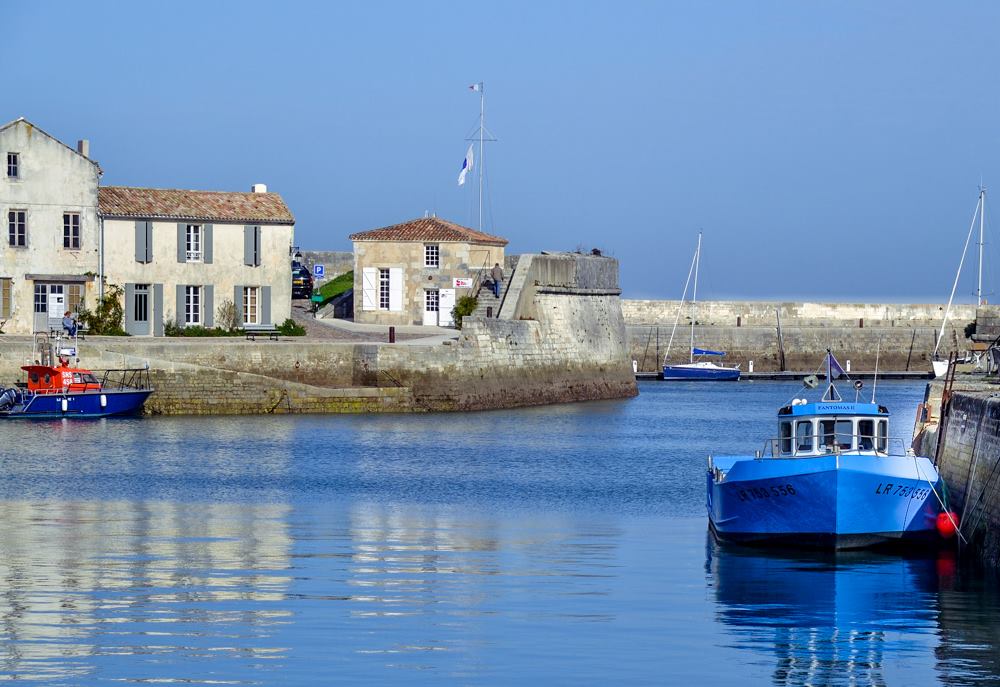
[(835, 444), (134, 379), (194, 256)]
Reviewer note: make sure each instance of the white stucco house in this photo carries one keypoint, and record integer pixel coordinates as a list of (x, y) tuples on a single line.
[(179, 255), (49, 256)]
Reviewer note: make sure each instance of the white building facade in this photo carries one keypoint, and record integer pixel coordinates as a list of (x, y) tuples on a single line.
[(49, 256), (181, 255)]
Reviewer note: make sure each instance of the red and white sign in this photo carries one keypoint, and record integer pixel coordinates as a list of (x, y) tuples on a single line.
[(462, 282)]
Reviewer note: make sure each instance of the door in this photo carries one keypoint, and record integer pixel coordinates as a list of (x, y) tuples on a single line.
[(50, 304), (432, 303), (445, 305)]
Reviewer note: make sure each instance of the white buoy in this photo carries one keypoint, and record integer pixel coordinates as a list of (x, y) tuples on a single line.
[(635, 367), (750, 366), (848, 368), (65, 405), (104, 401)]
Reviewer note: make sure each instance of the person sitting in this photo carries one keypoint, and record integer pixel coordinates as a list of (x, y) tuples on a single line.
[(69, 323)]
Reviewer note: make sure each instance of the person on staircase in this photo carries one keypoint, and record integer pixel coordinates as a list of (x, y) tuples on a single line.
[(496, 274)]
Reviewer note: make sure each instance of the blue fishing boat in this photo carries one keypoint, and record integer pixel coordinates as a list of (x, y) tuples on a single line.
[(695, 369), (54, 389), (833, 478)]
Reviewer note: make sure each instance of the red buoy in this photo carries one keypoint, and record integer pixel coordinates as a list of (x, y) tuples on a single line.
[(947, 524)]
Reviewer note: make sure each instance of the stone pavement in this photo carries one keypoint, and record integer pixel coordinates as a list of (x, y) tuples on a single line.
[(350, 331)]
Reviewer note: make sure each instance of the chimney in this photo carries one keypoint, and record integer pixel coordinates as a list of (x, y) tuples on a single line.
[(258, 188), (83, 147)]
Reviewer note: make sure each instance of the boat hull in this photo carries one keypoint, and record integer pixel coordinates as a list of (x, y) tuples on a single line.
[(708, 374), (80, 405), (833, 501)]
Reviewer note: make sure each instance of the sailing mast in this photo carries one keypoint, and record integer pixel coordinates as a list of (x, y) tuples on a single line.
[(483, 135), (694, 297), (982, 213)]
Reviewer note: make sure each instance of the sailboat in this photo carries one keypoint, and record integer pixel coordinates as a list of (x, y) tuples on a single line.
[(941, 366), (696, 369)]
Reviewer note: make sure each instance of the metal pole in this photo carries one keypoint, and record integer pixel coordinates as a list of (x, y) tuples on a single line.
[(694, 296), (482, 160), (982, 213)]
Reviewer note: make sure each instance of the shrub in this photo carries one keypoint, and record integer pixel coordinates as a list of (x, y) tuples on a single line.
[(290, 328), (466, 305), (177, 329), (225, 315), (109, 315)]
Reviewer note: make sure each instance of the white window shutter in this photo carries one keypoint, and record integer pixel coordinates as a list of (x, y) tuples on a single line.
[(395, 289), (369, 290)]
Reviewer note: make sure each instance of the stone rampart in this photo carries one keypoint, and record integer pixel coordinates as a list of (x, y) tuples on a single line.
[(569, 346)]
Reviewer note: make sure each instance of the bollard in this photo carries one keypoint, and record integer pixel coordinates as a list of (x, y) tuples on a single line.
[(750, 367), (861, 323), (739, 320), (392, 335), (489, 308)]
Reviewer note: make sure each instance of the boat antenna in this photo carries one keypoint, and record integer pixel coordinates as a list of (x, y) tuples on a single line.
[(958, 273), (878, 349)]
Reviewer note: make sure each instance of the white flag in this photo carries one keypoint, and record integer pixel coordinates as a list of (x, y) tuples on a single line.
[(476, 87), (466, 166)]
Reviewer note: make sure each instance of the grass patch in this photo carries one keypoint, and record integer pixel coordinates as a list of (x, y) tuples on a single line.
[(335, 287)]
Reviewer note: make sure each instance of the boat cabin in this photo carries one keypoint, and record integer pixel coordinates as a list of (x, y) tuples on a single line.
[(811, 429), (45, 379)]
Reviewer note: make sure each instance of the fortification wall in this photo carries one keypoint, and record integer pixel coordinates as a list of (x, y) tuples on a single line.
[(572, 347), (763, 313)]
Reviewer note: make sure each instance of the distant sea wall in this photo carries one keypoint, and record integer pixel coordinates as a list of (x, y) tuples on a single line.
[(903, 336), (564, 342)]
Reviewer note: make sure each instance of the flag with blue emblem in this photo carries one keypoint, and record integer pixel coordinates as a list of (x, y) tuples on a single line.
[(466, 166), (835, 369)]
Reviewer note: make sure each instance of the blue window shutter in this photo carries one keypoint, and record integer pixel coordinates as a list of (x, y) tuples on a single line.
[(248, 245), (265, 305), (130, 306), (157, 313), (208, 305), (140, 241), (181, 242), (256, 246), (149, 242), (238, 303), (179, 313), (206, 240)]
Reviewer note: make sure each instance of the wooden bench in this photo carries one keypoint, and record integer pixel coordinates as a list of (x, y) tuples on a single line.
[(254, 330)]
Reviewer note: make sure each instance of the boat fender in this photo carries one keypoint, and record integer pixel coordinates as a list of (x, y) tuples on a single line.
[(947, 524), (7, 398), (104, 401), (65, 404)]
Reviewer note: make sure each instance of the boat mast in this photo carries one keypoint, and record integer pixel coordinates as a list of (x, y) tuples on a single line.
[(954, 285), (694, 296), (982, 213)]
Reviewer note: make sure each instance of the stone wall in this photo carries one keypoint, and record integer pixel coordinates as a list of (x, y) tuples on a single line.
[(571, 347), (335, 262), (969, 462), (762, 313)]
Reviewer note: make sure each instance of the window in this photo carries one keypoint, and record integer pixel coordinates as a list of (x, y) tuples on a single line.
[(251, 305), (786, 437), (866, 435), (71, 230), (6, 305), (845, 434), (383, 288), (41, 298), (883, 436), (194, 243), (804, 436), (432, 255), (140, 303), (13, 165), (432, 300), (74, 297), (192, 305), (17, 227)]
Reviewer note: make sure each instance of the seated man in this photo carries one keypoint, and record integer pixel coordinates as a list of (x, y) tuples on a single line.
[(69, 323)]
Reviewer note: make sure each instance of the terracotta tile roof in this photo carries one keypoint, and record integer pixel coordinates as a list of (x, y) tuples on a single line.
[(224, 206), (429, 229)]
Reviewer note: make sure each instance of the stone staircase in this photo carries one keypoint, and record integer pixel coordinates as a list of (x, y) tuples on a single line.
[(488, 303)]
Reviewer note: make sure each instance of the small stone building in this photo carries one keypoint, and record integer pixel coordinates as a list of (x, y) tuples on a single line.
[(413, 273)]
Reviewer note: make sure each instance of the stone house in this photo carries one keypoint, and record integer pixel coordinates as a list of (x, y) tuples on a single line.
[(179, 255), (413, 273), (50, 253)]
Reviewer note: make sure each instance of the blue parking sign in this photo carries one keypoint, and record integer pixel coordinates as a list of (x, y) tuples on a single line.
[(319, 271)]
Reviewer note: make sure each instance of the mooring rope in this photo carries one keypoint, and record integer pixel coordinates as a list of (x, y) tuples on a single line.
[(944, 508)]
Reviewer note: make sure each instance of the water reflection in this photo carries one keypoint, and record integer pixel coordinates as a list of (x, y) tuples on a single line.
[(86, 580), (826, 618)]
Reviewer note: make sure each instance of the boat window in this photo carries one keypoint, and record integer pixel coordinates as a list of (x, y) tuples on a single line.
[(866, 435), (88, 378), (828, 439), (47, 379), (786, 437), (845, 434), (33, 377), (883, 435), (804, 436)]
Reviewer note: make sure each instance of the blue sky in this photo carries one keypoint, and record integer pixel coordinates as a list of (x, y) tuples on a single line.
[(828, 150)]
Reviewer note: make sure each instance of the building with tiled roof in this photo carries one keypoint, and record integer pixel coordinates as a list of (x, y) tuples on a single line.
[(429, 229), (414, 272), (223, 206)]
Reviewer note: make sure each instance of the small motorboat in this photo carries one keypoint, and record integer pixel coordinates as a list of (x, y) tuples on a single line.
[(54, 389), (832, 479)]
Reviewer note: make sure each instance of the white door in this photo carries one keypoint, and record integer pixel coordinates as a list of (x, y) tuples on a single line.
[(445, 305), (432, 302)]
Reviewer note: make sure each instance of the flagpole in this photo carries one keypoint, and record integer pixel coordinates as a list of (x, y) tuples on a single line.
[(482, 159)]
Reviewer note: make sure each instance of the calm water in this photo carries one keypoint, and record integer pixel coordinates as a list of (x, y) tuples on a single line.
[(558, 545)]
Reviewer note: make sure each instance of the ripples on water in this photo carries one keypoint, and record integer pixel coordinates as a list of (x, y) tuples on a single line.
[(562, 545)]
